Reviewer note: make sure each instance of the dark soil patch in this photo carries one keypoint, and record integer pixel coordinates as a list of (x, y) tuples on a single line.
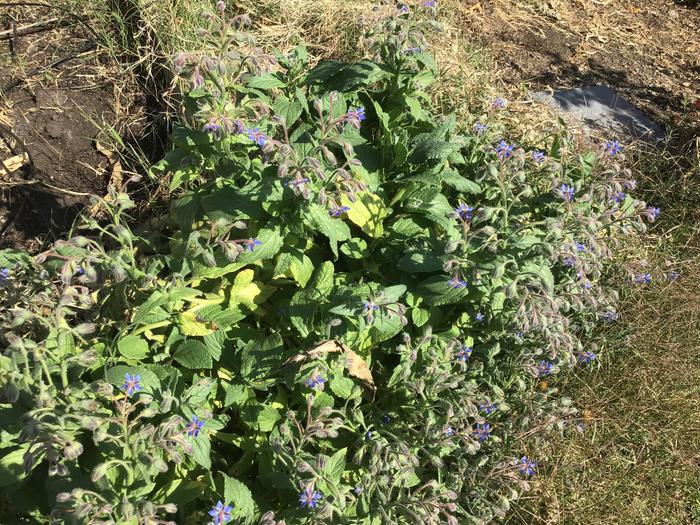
[(65, 167), (646, 50), (54, 98), (59, 89)]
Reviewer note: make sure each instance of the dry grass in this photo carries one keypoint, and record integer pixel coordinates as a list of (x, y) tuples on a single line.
[(638, 460)]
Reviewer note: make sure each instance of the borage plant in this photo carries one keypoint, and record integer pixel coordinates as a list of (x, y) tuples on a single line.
[(341, 319)]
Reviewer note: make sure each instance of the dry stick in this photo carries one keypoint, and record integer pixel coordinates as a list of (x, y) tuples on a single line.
[(29, 29), (16, 82), (70, 13)]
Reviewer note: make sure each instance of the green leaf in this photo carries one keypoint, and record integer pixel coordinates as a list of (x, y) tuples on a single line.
[(133, 347), (156, 299), (430, 148), (244, 291), (201, 450), (199, 393), (420, 262), (234, 203), (321, 282), (240, 497), (394, 293), (267, 418), (301, 268), (336, 76), (355, 248), (453, 179), (289, 110), (431, 203), (406, 227), (260, 358), (301, 312), (436, 291), (265, 81), (12, 466), (189, 324), (66, 344), (342, 387), (193, 354), (419, 316), (10, 258), (271, 240), (184, 210), (182, 491), (497, 302), (116, 375), (415, 109), (385, 326), (367, 211), (543, 272), (335, 229), (236, 395), (335, 466)]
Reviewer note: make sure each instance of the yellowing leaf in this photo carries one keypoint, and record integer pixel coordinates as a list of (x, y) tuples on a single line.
[(367, 212), (247, 292), (191, 326), (159, 338)]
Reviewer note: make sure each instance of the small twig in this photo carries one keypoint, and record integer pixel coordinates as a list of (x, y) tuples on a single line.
[(70, 13), (11, 85), (28, 29)]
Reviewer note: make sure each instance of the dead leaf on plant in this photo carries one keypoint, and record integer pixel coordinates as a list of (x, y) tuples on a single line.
[(356, 366)]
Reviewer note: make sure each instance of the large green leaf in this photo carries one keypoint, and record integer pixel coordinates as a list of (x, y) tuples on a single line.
[(335, 466), (265, 81), (12, 466), (133, 347), (321, 282), (335, 229), (193, 354), (116, 374), (289, 110), (239, 496), (437, 291)]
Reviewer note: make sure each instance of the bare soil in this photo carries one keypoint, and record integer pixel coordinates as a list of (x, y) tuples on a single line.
[(646, 50), (59, 89)]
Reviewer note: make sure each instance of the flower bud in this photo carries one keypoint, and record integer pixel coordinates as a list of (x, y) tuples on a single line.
[(62, 497), (118, 273), (80, 241), (303, 466), (127, 509), (122, 233), (170, 508), (72, 450), (99, 472), (209, 258), (21, 316), (85, 328), (231, 251), (89, 423), (511, 290), (348, 149)]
